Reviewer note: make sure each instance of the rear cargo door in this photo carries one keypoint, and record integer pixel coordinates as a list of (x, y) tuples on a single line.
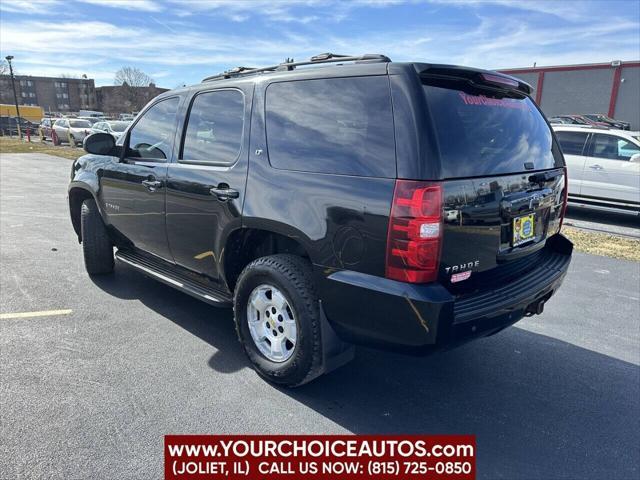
[(502, 174)]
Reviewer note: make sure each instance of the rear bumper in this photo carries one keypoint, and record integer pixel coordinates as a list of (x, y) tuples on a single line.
[(375, 311)]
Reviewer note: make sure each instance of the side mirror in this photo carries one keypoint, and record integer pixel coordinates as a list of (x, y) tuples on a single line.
[(99, 144), (635, 158)]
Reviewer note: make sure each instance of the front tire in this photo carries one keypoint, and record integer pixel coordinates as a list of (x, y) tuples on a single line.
[(96, 244), (277, 315)]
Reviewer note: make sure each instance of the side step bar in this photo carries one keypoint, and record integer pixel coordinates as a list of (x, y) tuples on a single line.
[(165, 274)]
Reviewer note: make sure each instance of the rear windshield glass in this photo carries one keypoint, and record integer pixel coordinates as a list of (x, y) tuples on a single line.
[(119, 126), (481, 132), (79, 124)]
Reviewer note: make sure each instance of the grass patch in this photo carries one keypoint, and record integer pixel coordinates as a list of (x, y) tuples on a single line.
[(15, 145), (603, 244)]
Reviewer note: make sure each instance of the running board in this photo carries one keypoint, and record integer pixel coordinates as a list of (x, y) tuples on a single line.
[(164, 273)]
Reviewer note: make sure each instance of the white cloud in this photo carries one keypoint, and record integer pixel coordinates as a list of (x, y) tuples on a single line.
[(29, 6), (142, 5), (178, 49)]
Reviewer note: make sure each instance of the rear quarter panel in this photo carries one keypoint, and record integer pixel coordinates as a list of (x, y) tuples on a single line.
[(340, 220)]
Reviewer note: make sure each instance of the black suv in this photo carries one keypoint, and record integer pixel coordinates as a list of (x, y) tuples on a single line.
[(355, 200)]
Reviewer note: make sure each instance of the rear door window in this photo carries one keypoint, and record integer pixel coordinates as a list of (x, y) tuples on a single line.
[(214, 128), (339, 126), (572, 143), (612, 147), (482, 132)]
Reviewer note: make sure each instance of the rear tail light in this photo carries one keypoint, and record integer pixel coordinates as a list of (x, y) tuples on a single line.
[(565, 197), (415, 232)]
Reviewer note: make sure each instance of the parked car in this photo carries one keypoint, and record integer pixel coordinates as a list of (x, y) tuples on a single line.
[(559, 121), (91, 120), (612, 122), (324, 223), (604, 167), (71, 130), (126, 117), (9, 126), (578, 120), (113, 127), (45, 128)]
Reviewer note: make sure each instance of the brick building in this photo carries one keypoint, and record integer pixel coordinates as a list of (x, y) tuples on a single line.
[(113, 100), (73, 94), (51, 93)]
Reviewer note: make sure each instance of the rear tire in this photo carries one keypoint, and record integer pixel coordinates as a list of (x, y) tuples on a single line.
[(290, 277), (96, 244)]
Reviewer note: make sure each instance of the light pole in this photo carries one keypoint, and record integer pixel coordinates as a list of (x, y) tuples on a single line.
[(15, 95)]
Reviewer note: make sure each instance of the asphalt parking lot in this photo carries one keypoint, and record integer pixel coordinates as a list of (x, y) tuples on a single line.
[(621, 224), (90, 393)]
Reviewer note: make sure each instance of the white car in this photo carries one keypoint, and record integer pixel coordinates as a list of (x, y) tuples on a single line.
[(72, 130), (603, 166), (115, 127)]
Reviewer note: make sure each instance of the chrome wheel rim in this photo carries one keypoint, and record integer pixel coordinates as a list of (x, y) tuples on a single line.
[(272, 323)]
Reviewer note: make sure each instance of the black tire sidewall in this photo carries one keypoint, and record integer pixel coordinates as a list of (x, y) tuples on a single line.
[(96, 244), (295, 369)]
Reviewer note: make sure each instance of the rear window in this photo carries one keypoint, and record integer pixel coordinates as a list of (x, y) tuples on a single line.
[(119, 126), (79, 124), (481, 132), (339, 125)]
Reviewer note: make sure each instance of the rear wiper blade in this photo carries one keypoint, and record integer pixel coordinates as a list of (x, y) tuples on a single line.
[(544, 176)]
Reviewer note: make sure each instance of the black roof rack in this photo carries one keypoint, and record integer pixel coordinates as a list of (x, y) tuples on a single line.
[(289, 64)]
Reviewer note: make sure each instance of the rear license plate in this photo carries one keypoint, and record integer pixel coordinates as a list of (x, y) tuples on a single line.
[(523, 229)]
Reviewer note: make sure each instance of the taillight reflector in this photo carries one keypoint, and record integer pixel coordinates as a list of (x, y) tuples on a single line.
[(415, 232), (565, 199)]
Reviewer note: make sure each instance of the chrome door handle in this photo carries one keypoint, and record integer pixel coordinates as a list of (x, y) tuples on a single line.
[(596, 167), (224, 193), (152, 185)]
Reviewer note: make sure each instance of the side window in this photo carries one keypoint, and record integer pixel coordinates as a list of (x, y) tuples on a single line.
[(339, 126), (152, 136), (214, 127), (572, 143), (613, 147), (626, 149)]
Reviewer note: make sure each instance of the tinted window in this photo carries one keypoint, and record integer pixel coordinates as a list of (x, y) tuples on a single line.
[(214, 128), (152, 136), (572, 143), (340, 125), (487, 133), (80, 124), (612, 147)]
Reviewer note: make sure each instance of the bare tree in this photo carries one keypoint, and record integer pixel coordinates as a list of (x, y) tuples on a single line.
[(130, 81), (133, 77), (4, 67)]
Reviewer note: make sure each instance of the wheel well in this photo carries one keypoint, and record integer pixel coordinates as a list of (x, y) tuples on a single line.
[(76, 197), (245, 245)]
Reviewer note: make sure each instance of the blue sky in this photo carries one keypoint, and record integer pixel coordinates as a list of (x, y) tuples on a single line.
[(180, 41)]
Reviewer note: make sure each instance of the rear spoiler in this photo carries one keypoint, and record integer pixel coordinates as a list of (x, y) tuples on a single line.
[(474, 76)]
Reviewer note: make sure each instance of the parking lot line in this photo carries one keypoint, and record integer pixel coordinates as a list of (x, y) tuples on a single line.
[(43, 313)]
